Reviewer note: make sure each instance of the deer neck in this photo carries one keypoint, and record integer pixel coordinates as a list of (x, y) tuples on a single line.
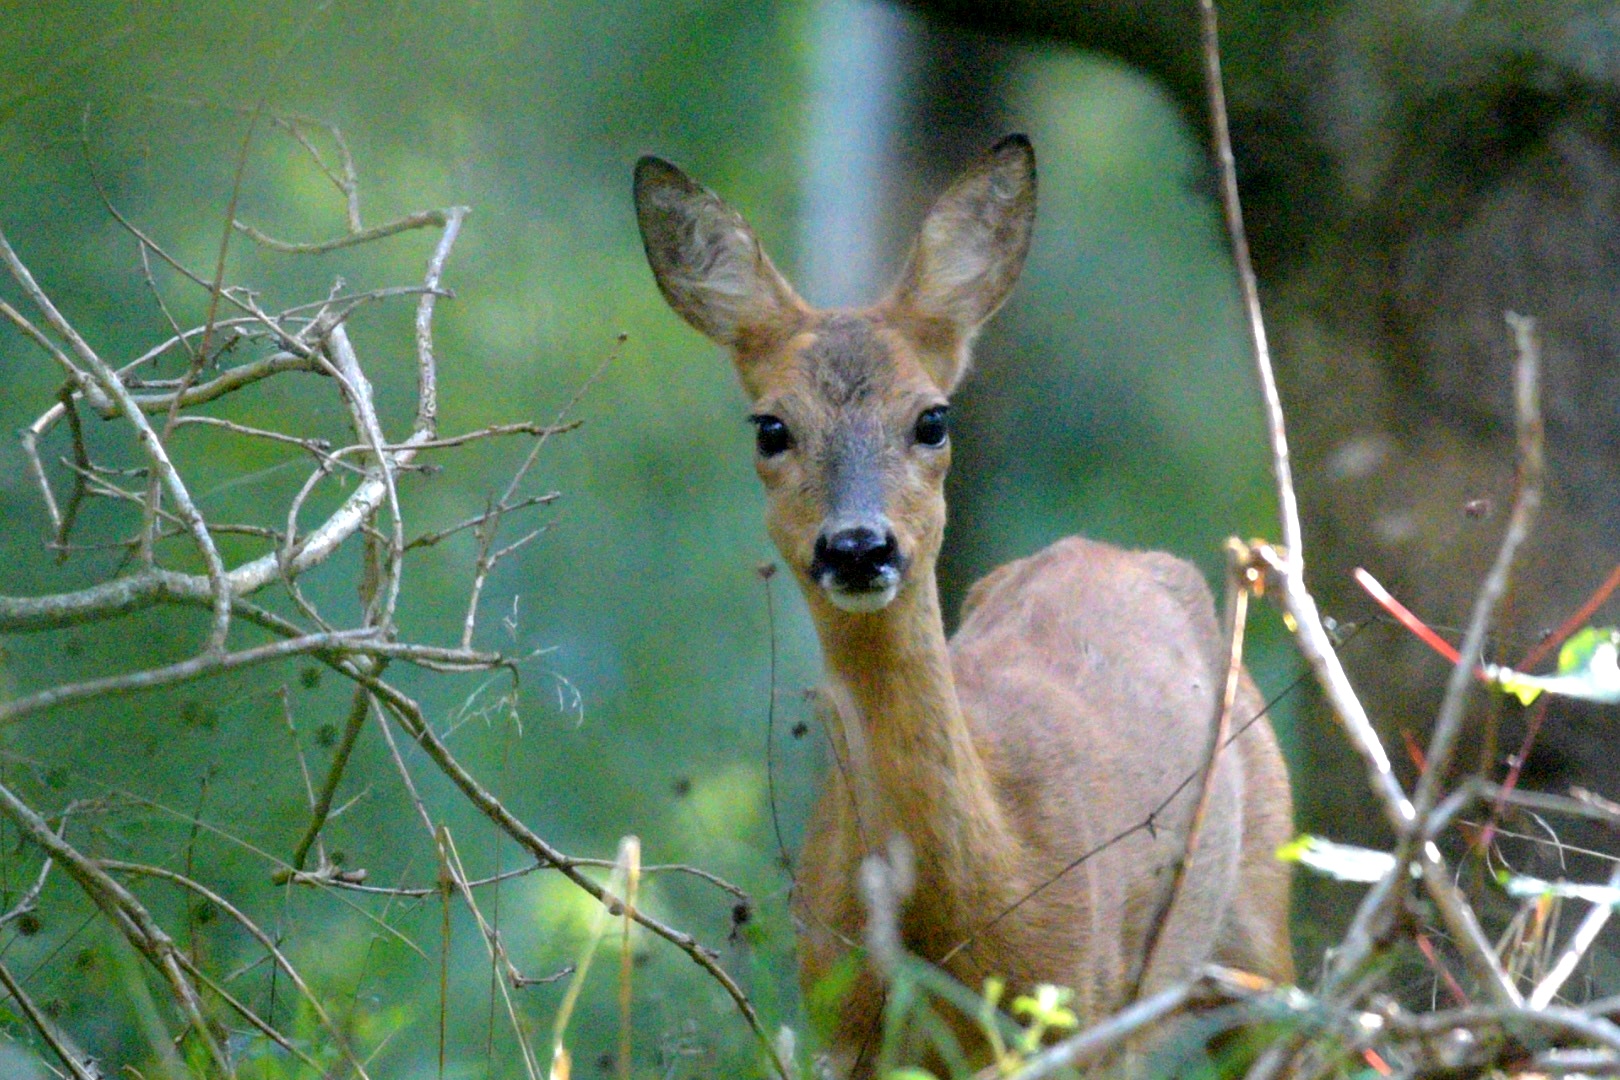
[(910, 759)]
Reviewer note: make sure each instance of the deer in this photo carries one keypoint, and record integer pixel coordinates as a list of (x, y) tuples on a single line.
[(1082, 686)]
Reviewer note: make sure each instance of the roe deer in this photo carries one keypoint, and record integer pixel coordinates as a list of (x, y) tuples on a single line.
[(1082, 687)]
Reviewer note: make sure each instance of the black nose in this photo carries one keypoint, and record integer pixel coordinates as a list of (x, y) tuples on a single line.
[(857, 558)]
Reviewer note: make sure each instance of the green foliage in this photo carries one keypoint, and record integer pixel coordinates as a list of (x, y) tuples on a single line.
[(825, 997)]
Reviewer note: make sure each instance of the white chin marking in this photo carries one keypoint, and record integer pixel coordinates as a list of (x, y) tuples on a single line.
[(863, 602)]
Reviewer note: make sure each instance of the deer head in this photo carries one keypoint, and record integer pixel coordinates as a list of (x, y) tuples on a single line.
[(849, 407)]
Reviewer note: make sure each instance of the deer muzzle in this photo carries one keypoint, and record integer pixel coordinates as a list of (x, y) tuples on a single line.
[(860, 567)]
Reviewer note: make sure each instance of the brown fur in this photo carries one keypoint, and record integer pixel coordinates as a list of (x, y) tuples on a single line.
[(1079, 692)]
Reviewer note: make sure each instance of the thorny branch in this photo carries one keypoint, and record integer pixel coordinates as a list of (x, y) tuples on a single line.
[(222, 358)]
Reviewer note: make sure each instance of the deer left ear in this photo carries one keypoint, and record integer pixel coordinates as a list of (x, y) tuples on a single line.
[(967, 257)]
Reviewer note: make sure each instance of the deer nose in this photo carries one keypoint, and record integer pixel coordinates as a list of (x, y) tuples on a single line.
[(858, 558)]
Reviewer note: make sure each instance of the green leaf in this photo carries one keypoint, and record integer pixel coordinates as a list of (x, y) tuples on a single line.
[(1521, 887), (1588, 670), (1342, 862)]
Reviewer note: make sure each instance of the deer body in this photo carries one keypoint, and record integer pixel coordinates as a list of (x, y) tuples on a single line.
[(1081, 689)]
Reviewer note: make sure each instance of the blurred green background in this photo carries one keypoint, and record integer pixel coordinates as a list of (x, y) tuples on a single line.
[(1112, 396)]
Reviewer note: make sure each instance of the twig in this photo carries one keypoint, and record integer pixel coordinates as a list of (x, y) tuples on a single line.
[(429, 539), (427, 386), (36, 470), (1527, 501), (359, 706), (80, 1064), (318, 447), (126, 913), (379, 612), (493, 430), (28, 902), (308, 338), (359, 640), (265, 942), (1597, 917), (487, 561), (423, 220), (76, 377), (1213, 986), (81, 463), (1376, 911), (1239, 577), (1289, 563), (1314, 641), (1572, 1023), (410, 718), (173, 485), (766, 572), (334, 878), (1577, 619), (493, 945)]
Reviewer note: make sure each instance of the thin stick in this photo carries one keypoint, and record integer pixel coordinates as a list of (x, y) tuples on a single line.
[(1576, 620), (258, 933), (78, 378), (1377, 909), (81, 1065), (423, 220), (131, 918), (498, 957), (1214, 986), (1237, 606), (173, 485), (1597, 917), (1289, 563), (409, 716), (321, 806), (766, 573), (1527, 501)]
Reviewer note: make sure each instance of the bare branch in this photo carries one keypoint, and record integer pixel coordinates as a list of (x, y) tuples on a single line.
[(334, 877), (429, 539), (36, 470), (126, 913), (1239, 577), (318, 447), (1375, 916), (76, 1061), (306, 338), (1214, 986), (427, 386), (1314, 641), (426, 219), (197, 667), (1526, 503), (267, 943), (28, 902), (359, 706), (1288, 563), (75, 376), (493, 430), (410, 718), (173, 485)]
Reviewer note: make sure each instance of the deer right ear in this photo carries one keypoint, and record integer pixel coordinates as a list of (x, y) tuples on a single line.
[(708, 262)]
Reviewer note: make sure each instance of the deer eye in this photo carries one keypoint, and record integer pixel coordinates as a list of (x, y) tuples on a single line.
[(931, 427), (771, 435)]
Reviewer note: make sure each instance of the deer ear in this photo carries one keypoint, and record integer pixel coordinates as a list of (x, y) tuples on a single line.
[(708, 262), (967, 257)]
